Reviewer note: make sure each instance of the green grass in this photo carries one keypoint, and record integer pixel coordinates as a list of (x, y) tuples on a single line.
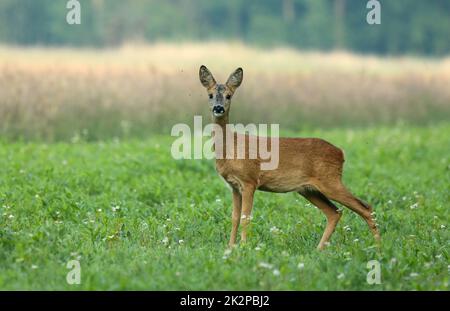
[(56, 204)]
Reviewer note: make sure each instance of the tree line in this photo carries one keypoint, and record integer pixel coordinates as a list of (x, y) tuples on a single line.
[(407, 26)]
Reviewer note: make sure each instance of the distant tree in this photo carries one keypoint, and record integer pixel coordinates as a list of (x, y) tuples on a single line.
[(339, 23)]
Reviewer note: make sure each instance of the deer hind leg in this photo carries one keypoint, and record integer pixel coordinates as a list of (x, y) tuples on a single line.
[(329, 209), (339, 193)]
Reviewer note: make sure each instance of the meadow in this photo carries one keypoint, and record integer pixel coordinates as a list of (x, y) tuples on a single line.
[(86, 172), (58, 94)]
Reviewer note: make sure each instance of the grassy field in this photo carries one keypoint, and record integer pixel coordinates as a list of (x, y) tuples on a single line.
[(137, 219), (86, 171)]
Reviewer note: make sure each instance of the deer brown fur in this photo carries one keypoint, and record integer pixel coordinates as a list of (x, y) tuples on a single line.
[(310, 166)]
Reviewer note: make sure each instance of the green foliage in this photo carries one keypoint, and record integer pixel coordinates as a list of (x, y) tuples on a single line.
[(412, 26), (137, 219)]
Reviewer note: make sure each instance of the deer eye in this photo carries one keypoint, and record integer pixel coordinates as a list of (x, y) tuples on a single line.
[(210, 96), (228, 97)]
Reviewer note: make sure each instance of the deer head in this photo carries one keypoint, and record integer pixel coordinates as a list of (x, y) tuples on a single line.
[(220, 94)]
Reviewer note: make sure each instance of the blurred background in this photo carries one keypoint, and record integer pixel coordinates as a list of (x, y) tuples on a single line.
[(130, 65), (408, 26)]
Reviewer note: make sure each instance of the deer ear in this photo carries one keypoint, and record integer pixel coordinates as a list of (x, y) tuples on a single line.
[(235, 79), (206, 78)]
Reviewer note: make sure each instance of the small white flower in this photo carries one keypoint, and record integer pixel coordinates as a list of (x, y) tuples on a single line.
[(180, 241), (442, 226), (389, 202), (11, 216), (404, 198), (165, 240), (341, 276), (168, 219), (99, 210), (356, 240), (274, 230), (276, 272), (34, 267), (414, 206), (414, 274), (347, 228), (226, 254), (257, 248), (439, 256), (144, 225), (301, 265), (115, 208), (265, 265)]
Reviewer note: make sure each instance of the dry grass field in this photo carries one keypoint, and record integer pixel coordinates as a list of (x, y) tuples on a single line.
[(56, 94)]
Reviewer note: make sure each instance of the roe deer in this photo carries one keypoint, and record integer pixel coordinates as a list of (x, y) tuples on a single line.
[(310, 166)]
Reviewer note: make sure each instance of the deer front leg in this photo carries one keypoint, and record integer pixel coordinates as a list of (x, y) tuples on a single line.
[(247, 205), (236, 216)]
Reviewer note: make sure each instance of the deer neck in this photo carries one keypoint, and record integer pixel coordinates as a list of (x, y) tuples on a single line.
[(222, 122), (221, 140)]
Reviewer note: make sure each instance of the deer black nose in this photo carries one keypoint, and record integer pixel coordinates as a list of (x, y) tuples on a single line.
[(218, 109)]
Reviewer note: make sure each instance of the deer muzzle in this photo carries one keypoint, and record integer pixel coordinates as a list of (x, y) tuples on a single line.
[(218, 110)]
